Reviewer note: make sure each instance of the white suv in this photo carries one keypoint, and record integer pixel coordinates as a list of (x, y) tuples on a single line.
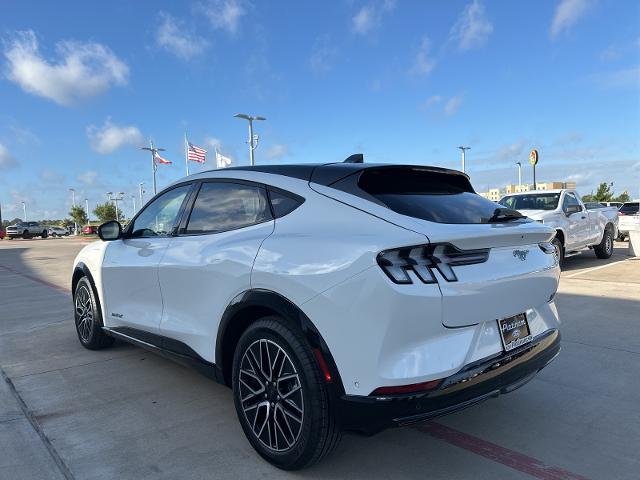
[(330, 298)]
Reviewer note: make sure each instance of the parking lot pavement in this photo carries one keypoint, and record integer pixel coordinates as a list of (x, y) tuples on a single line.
[(66, 412)]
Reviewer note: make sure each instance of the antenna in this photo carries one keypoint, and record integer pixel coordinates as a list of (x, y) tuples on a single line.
[(355, 158)]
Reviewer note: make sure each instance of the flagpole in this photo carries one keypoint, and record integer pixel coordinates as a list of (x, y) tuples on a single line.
[(186, 153), (153, 165)]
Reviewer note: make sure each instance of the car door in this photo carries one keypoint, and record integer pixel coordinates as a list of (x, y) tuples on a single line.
[(209, 262), (577, 222), (131, 292)]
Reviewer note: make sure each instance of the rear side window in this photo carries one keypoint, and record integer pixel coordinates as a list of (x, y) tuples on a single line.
[(284, 203), (631, 207), (429, 195), (222, 206)]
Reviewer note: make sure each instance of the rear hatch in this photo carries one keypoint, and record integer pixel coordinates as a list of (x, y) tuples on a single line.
[(515, 273)]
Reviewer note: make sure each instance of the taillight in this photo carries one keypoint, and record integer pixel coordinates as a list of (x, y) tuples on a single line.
[(422, 259)]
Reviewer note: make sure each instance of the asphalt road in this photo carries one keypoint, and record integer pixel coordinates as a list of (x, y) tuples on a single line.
[(66, 412)]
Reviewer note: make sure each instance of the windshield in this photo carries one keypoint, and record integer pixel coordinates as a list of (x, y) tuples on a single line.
[(534, 201)]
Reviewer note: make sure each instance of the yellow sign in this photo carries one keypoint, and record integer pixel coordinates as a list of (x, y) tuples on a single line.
[(533, 157)]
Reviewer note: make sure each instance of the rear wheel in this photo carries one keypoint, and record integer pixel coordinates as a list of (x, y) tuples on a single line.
[(45, 234), (605, 248), (559, 251), (88, 317), (25, 234), (280, 396)]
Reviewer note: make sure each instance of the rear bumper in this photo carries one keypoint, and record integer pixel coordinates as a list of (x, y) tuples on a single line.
[(475, 383)]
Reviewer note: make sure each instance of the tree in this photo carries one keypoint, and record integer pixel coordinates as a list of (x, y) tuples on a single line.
[(589, 197), (604, 193), (623, 197), (78, 215), (107, 211)]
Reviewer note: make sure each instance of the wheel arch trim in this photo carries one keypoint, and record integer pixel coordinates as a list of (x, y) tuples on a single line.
[(261, 300)]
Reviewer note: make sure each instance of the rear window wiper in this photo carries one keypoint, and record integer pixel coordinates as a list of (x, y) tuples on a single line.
[(504, 215)]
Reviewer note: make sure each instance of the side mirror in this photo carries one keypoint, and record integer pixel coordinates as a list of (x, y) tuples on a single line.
[(110, 231), (571, 209)]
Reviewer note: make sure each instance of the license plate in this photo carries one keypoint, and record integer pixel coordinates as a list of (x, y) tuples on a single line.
[(514, 331)]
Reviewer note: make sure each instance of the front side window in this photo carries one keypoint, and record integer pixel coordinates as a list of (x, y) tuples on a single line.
[(570, 201), (222, 206), (159, 217)]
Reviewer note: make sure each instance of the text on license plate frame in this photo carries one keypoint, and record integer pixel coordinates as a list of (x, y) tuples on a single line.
[(514, 331)]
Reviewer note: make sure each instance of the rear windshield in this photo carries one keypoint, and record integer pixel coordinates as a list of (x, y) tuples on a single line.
[(630, 207), (429, 195), (537, 201)]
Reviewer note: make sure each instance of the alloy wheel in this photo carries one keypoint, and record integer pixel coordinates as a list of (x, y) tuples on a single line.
[(271, 396), (84, 313), (609, 244)]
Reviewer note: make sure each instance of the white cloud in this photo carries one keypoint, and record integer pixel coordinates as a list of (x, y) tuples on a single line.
[(88, 178), (212, 143), (323, 55), (624, 78), (51, 176), (567, 13), (431, 101), (6, 159), (82, 70), (277, 151), (452, 105), (110, 137), (173, 36), (370, 16), (224, 14), (423, 64), (472, 29)]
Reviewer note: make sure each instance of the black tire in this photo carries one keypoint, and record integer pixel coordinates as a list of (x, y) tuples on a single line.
[(25, 234), (605, 248), (45, 234), (316, 432), (559, 251), (621, 237), (88, 319)]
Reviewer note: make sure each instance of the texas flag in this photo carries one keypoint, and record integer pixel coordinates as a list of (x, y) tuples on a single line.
[(159, 159)]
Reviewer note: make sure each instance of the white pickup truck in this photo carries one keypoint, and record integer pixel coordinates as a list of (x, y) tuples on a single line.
[(577, 227)]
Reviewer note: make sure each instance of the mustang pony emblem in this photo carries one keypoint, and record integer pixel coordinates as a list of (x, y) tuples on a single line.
[(521, 254)]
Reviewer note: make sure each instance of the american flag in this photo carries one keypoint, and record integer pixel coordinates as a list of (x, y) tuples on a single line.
[(196, 154), (161, 160)]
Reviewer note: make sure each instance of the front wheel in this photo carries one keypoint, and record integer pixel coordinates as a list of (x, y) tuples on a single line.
[(605, 248), (281, 397), (45, 234), (88, 317), (25, 234)]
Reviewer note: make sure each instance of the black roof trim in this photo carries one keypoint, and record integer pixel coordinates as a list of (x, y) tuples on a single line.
[(329, 173)]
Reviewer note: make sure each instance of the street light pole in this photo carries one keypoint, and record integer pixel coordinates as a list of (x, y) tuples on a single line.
[(253, 139), (115, 201), (86, 207), (73, 202), (141, 194), (519, 164), (24, 211), (464, 149)]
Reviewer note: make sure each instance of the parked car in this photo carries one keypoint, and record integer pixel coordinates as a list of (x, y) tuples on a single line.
[(2, 233), (612, 204), (58, 232), (628, 218), (330, 298), (90, 229), (576, 226), (27, 230)]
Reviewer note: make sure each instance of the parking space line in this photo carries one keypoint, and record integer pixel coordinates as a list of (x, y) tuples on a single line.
[(510, 458), (36, 279), (593, 268)]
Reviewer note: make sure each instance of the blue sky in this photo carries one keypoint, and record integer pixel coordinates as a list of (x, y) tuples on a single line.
[(82, 84)]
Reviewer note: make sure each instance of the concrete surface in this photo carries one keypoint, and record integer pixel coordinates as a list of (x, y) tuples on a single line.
[(66, 412)]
